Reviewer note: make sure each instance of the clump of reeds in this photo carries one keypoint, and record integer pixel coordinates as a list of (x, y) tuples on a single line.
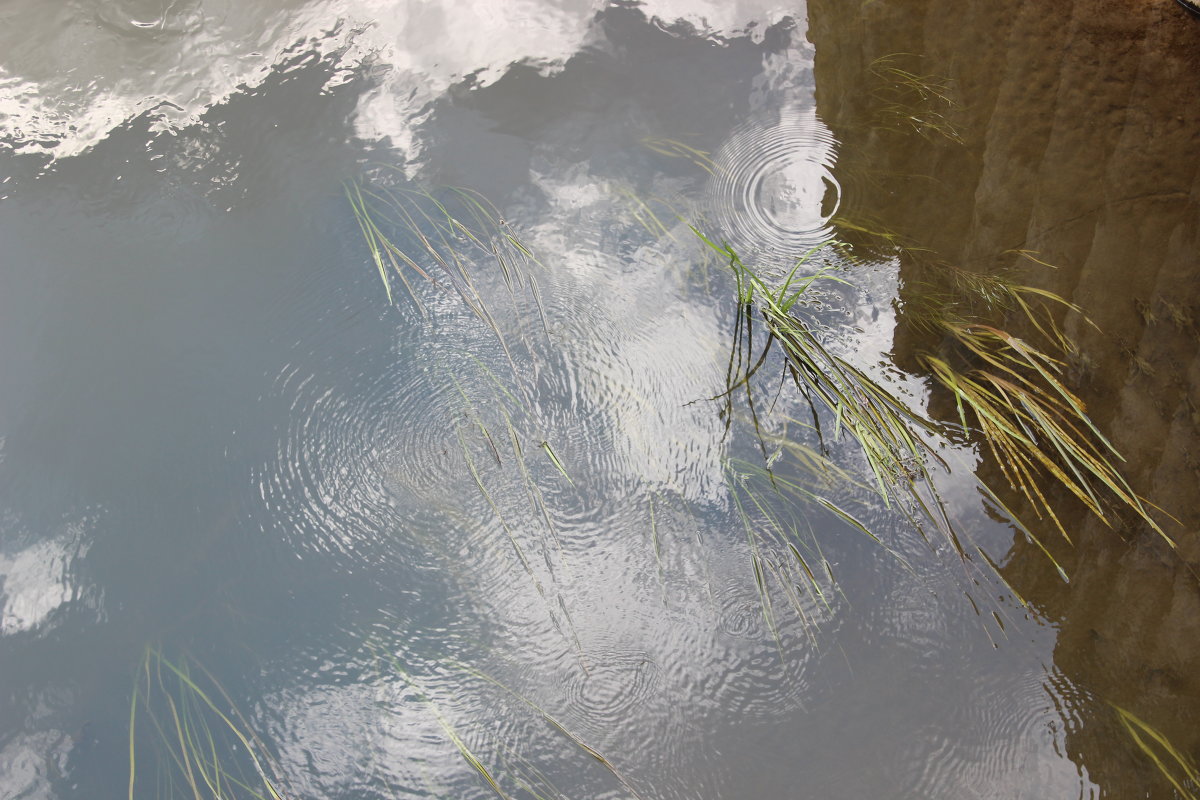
[(1011, 391), (440, 238), (1007, 391), (896, 441), (203, 746)]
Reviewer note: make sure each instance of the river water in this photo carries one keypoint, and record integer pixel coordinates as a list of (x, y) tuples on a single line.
[(486, 520)]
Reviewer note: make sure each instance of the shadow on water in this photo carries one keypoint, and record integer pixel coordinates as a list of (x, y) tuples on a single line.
[(1075, 141)]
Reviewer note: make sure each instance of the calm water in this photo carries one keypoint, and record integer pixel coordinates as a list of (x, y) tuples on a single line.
[(382, 528)]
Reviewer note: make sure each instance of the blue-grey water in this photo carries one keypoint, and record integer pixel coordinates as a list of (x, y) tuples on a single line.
[(384, 528)]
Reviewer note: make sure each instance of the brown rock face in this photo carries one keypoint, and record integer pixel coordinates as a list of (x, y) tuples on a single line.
[(1071, 131)]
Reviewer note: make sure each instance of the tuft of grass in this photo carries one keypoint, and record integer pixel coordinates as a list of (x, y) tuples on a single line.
[(1007, 391), (896, 441), (205, 749), (441, 238), (1012, 392)]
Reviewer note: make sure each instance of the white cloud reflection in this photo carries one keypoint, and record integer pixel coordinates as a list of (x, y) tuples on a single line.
[(38, 580), (70, 73)]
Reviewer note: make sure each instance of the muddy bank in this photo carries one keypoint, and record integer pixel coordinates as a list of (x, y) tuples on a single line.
[(1069, 131)]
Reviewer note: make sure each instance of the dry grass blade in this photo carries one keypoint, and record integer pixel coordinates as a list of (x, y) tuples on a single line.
[(1010, 393), (1176, 767)]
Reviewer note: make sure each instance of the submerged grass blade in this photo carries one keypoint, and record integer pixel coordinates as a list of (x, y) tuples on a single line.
[(674, 148), (1177, 768), (187, 742), (554, 723), (452, 236), (451, 733), (132, 732)]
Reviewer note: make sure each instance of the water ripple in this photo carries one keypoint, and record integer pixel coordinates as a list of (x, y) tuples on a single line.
[(615, 686), (353, 458), (773, 192), (150, 17), (1023, 724), (740, 615)]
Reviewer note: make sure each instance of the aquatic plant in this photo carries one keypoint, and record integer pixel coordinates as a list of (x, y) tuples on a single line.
[(203, 745), (913, 102), (1007, 392), (648, 212), (895, 439), (1012, 392), (515, 453), (784, 550), (673, 148), (439, 238)]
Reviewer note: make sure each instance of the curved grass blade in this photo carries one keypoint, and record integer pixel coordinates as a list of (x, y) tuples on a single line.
[(1176, 767)]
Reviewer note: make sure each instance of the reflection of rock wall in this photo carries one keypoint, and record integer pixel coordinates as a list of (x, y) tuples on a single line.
[(1080, 128)]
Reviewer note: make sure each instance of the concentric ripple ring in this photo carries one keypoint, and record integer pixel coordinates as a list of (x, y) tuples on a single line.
[(353, 459), (773, 192)]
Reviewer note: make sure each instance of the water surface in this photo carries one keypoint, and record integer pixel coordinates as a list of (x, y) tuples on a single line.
[(384, 526)]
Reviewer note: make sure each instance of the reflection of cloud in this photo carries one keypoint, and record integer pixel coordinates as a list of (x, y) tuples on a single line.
[(28, 762), (69, 74), (328, 743), (644, 353), (38, 580)]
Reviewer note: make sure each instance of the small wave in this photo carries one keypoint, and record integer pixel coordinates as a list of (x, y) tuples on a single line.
[(773, 193), (614, 687), (350, 456)]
